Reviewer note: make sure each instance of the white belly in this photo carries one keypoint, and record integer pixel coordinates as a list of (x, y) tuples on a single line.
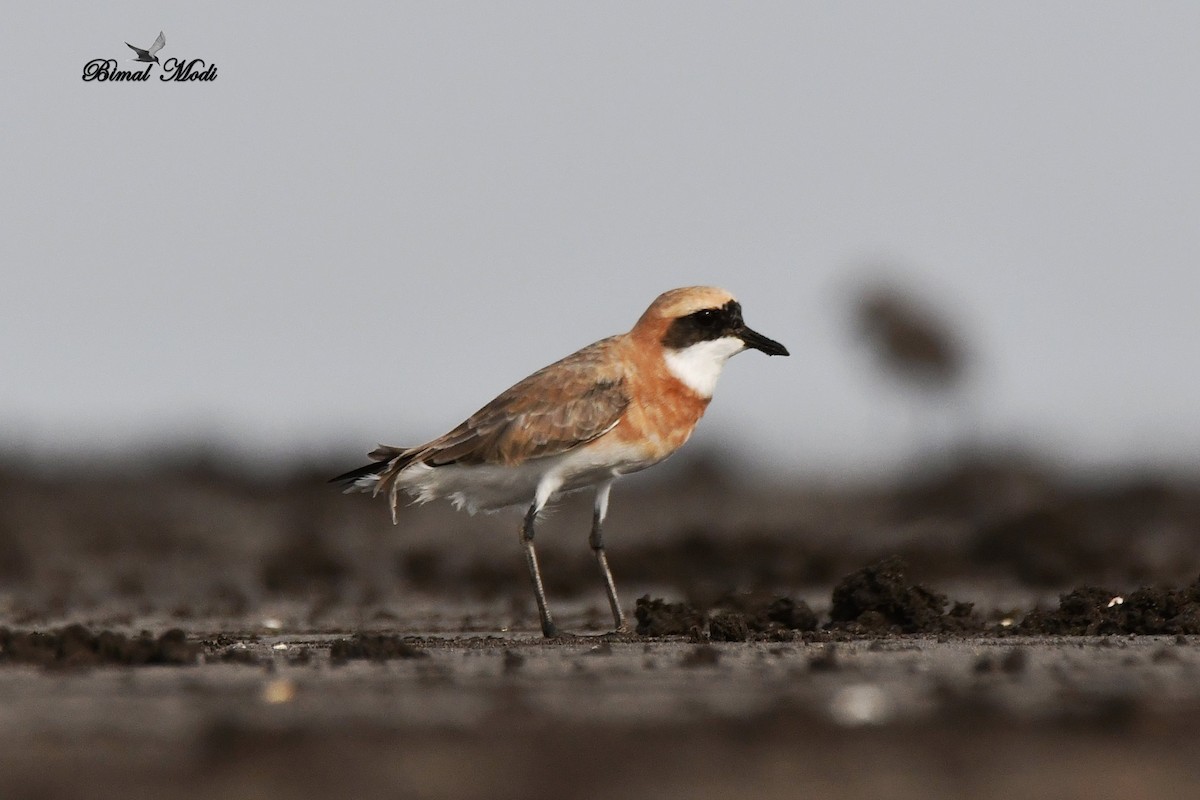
[(488, 487)]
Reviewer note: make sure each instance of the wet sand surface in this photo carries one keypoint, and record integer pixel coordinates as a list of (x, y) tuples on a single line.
[(517, 717), (215, 636)]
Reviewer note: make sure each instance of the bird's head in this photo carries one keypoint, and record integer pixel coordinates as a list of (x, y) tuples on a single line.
[(699, 328)]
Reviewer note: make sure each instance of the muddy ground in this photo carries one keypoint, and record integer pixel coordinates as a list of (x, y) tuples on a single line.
[(993, 629)]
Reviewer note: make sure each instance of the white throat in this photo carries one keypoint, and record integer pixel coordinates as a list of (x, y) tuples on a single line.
[(699, 365)]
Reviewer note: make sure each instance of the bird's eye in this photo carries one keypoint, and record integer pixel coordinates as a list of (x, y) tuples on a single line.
[(706, 317)]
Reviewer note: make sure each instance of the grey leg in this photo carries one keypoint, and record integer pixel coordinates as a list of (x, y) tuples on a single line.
[(596, 540), (549, 630)]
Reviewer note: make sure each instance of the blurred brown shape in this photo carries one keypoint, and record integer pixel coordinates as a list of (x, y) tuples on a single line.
[(910, 340)]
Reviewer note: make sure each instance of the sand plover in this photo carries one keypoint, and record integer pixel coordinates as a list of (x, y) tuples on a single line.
[(615, 407)]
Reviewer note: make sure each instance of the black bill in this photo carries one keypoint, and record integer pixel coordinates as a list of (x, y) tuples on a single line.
[(757, 341)]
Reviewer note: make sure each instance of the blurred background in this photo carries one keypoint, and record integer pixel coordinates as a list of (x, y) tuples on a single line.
[(973, 226), (375, 220)]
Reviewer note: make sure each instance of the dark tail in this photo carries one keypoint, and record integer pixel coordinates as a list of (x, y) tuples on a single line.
[(348, 478), (386, 459)]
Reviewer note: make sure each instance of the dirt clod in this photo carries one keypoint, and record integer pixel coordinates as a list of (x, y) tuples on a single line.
[(659, 618), (765, 612), (792, 614), (879, 599), (728, 627), (1093, 611), (373, 646), (76, 646)]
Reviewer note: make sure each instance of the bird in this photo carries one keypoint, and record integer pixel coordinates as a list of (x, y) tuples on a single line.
[(909, 339), (149, 55), (615, 407)]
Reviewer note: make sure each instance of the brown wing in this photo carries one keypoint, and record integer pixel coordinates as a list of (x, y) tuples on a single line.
[(555, 409)]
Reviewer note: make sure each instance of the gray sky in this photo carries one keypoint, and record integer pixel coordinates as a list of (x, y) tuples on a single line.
[(382, 214)]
